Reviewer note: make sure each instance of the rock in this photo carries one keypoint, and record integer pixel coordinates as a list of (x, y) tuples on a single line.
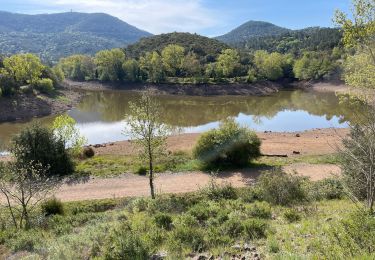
[(298, 135), (246, 247), (237, 247), (159, 256)]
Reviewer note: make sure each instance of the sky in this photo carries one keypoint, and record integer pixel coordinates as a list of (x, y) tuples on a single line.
[(206, 17)]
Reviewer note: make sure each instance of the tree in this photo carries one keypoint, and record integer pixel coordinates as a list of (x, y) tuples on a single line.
[(269, 66), (226, 63), (65, 129), (359, 32), (131, 69), (152, 65), (148, 131), (24, 186), (191, 66), (109, 64), (173, 57), (358, 160), (312, 66), (40, 146), (23, 68), (77, 67)]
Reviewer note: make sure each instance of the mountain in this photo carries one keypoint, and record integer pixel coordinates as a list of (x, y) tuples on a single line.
[(57, 35), (297, 41), (201, 45), (250, 30)]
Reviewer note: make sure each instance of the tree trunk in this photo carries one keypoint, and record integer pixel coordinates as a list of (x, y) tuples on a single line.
[(152, 180)]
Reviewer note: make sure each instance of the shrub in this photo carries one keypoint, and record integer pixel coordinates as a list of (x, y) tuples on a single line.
[(163, 220), (233, 227), (185, 236), (292, 215), (278, 187), (230, 145), (255, 228), (52, 207), (215, 191), (142, 171), (44, 85), (7, 85), (123, 243), (327, 189), (38, 144), (260, 210), (88, 152)]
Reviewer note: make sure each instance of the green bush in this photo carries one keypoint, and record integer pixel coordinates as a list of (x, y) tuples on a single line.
[(52, 207), (230, 145), (278, 187), (326, 189), (233, 227), (142, 171), (215, 191), (124, 243), (44, 85), (185, 236), (292, 215), (260, 210), (8, 86), (163, 220), (38, 144), (255, 228)]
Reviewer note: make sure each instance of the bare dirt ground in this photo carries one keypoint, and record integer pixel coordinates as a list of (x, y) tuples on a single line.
[(314, 142)]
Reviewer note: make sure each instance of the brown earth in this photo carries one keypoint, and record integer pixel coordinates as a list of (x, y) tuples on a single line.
[(256, 89), (314, 142), (26, 106)]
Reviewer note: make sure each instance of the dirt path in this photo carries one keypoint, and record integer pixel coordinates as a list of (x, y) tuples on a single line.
[(136, 186)]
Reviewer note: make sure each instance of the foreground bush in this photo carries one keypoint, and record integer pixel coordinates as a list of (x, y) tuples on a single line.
[(52, 207), (37, 144), (278, 187), (230, 145)]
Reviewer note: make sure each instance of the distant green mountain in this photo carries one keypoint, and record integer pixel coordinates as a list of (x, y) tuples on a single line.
[(200, 45), (57, 35), (297, 41), (250, 30)]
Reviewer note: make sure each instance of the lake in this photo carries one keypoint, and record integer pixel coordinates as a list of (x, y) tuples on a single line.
[(100, 114)]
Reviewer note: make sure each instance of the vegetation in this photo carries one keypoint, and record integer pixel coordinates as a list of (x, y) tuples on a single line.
[(148, 132), (54, 36), (359, 34), (38, 145), (230, 145)]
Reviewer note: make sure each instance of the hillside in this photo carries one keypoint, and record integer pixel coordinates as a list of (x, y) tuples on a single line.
[(57, 35), (311, 39), (201, 45), (250, 30)]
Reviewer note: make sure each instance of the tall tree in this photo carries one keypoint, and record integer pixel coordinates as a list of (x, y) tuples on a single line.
[(148, 131), (173, 57), (227, 62), (109, 64), (152, 65)]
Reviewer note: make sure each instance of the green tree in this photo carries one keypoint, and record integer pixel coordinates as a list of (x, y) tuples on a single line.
[(109, 64), (152, 65), (77, 67), (270, 65), (359, 32), (191, 65), (131, 69), (39, 145), (227, 61), (312, 66), (65, 128), (173, 58), (148, 131), (23, 68)]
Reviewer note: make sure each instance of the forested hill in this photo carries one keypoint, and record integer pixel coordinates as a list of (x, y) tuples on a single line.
[(57, 35), (297, 41), (198, 44), (250, 30)]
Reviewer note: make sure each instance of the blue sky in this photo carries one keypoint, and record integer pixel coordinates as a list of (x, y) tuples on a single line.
[(207, 17)]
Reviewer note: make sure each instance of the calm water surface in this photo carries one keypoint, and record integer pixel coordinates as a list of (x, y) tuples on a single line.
[(100, 114)]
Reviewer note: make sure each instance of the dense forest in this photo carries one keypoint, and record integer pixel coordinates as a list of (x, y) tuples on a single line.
[(54, 36)]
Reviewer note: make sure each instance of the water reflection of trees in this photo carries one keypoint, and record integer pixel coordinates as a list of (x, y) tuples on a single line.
[(195, 111)]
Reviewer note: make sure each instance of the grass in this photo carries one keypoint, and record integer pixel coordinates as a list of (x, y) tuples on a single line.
[(114, 165), (211, 220)]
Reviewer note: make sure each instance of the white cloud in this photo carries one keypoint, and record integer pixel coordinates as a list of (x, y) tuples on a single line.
[(155, 16)]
